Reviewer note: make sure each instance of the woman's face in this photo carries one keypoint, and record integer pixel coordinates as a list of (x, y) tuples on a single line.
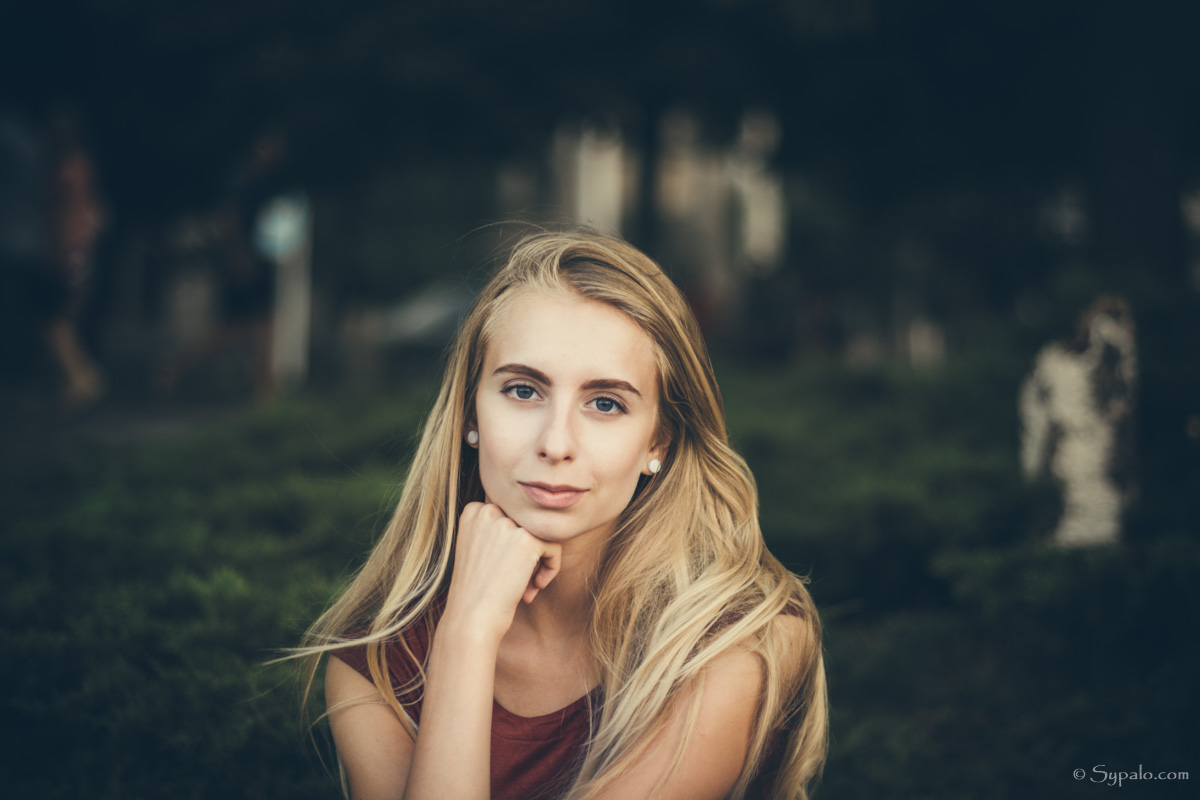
[(567, 411)]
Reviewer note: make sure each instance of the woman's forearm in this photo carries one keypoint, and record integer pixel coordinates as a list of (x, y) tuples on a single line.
[(496, 564), (452, 754)]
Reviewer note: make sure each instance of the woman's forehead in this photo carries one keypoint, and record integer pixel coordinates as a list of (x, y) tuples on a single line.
[(564, 332)]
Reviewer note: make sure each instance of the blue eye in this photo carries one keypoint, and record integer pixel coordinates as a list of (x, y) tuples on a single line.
[(521, 391), (608, 405)]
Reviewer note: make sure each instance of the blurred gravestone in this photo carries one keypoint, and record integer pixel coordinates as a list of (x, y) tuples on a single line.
[(284, 235), (1077, 417)]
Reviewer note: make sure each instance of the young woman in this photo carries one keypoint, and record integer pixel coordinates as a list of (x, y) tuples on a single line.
[(573, 599)]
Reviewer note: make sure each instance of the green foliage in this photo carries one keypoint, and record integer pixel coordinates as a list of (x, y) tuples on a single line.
[(143, 589), (966, 656), (865, 475), (142, 592)]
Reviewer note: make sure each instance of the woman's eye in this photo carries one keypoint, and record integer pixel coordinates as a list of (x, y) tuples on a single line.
[(607, 405), (522, 392)]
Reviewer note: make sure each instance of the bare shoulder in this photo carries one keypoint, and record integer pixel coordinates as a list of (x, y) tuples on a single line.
[(795, 637), (715, 736), (729, 702), (343, 683), (740, 673), (737, 671), (372, 744)]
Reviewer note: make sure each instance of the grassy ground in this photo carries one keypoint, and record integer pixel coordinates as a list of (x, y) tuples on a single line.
[(144, 583)]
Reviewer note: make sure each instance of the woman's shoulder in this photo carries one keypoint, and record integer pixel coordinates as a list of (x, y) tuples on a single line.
[(794, 626), (797, 626), (404, 656), (785, 644)]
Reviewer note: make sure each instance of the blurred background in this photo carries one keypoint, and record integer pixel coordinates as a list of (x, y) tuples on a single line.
[(947, 257)]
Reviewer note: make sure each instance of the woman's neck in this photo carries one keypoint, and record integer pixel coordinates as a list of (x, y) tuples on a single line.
[(563, 609)]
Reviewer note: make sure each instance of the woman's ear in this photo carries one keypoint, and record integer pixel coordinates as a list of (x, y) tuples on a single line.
[(471, 432), (654, 459)]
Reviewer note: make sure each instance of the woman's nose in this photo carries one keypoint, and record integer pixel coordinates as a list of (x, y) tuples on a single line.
[(557, 441)]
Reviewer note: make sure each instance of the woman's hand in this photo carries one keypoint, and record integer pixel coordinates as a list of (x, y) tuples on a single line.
[(497, 564)]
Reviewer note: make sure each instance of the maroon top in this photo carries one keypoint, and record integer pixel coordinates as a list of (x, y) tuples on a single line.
[(533, 758)]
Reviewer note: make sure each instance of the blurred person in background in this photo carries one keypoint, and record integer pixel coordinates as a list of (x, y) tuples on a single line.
[(573, 598), (77, 219), (51, 217), (245, 276)]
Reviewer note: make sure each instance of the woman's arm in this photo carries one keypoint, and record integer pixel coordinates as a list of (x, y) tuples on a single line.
[(497, 565), (720, 736), (451, 757), (718, 743), (372, 744)]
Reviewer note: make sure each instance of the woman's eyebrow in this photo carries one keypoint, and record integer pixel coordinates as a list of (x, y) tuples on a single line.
[(611, 384), (528, 372)]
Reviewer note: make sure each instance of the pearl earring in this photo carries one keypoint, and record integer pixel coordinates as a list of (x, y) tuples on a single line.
[(655, 465), (472, 438)]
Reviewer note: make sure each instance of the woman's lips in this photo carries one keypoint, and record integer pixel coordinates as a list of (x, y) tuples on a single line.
[(552, 496)]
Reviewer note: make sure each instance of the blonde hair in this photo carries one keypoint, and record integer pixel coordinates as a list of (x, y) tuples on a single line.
[(686, 576)]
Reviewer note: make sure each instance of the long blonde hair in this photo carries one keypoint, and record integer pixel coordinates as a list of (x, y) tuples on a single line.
[(686, 576)]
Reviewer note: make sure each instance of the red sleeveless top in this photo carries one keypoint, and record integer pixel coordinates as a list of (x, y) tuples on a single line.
[(533, 758)]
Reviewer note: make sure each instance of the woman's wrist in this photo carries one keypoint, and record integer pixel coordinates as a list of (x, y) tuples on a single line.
[(469, 629), (451, 756)]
